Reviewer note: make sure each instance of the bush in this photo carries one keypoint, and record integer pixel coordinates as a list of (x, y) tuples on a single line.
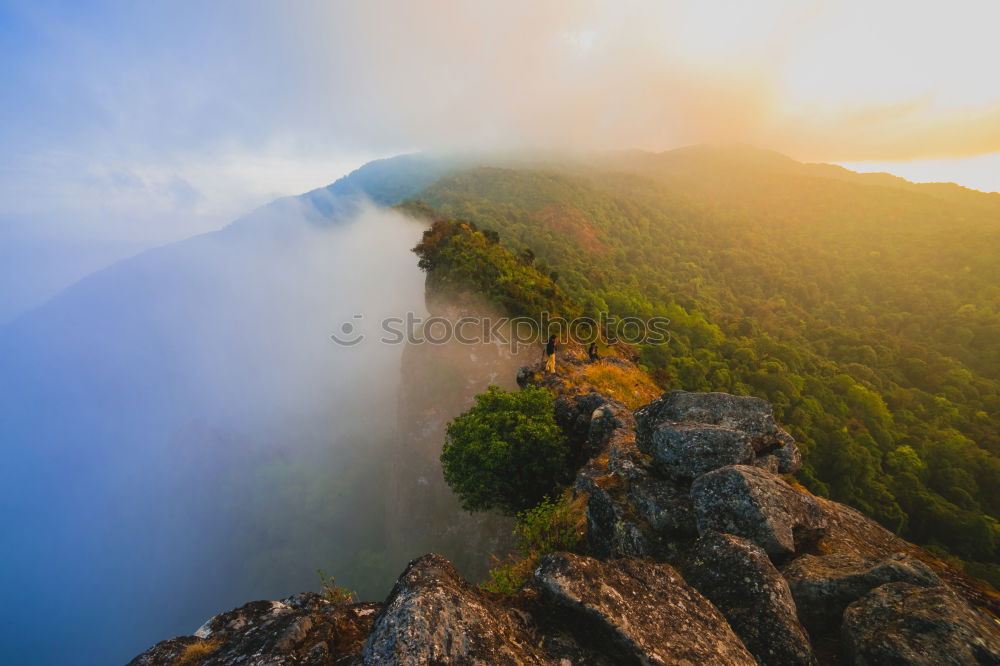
[(552, 525), (506, 452), (333, 592)]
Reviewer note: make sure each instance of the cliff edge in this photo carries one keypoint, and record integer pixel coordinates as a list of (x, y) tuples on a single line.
[(699, 550)]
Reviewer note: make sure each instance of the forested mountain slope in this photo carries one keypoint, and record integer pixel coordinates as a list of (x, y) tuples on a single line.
[(863, 307)]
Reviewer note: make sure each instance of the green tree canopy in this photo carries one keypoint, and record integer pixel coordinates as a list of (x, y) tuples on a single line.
[(506, 452)]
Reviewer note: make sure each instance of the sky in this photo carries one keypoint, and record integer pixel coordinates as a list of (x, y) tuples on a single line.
[(126, 125)]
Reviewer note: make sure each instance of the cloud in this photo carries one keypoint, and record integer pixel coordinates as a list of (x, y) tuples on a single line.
[(116, 106)]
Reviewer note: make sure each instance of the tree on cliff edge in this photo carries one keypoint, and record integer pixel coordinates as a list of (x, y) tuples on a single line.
[(506, 451)]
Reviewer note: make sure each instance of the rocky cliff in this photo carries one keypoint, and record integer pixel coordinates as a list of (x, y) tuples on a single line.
[(700, 549)]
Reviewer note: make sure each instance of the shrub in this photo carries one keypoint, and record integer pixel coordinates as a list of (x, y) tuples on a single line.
[(333, 592), (552, 525), (506, 452)]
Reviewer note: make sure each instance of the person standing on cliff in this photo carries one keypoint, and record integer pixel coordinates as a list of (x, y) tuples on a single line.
[(550, 352)]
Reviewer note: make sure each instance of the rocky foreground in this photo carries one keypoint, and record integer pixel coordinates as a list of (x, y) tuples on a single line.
[(698, 551)]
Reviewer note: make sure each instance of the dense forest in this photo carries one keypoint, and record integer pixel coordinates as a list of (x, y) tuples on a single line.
[(865, 308)]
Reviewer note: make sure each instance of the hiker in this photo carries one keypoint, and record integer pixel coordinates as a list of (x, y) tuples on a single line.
[(592, 352), (550, 352)]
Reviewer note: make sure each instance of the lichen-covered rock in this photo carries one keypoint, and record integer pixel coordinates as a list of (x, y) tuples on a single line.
[(900, 623), (752, 503), (665, 507), (302, 629), (688, 450), (589, 421), (167, 652), (643, 612), (681, 411), (737, 576), (433, 616), (823, 585)]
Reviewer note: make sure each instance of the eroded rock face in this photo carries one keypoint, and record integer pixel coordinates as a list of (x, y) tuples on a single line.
[(753, 503), (689, 434), (433, 616), (643, 611), (824, 585), (589, 421), (737, 576), (900, 623), (302, 629)]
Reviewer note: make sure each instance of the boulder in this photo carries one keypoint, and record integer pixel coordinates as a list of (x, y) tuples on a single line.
[(302, 629), (737, 576), (753, 503), (688, 450), (612, 530), (750, 416), (433, 616), (642, 612), (823, 585), (589, 420), (900, 623), (665, 507)]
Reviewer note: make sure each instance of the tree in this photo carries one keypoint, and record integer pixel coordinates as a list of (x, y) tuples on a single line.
[(506, 452)]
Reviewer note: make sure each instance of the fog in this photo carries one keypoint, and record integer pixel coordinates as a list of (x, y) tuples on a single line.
[(181, 435)]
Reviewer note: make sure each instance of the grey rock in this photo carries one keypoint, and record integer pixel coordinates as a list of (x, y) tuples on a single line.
[(737, 576), (665, 507), (900, 623), (823, 585), (688, 450), (752, 503), (303, 629), (692, 433), (610, 531), (165, 652), (433, 616), (640, 611), (589, 421)]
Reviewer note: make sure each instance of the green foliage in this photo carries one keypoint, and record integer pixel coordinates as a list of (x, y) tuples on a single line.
[(866, 310), (506, 452), (457, 256), (333, 592), (552, 525)]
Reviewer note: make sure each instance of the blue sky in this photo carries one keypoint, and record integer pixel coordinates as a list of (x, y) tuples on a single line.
[(130, 124)]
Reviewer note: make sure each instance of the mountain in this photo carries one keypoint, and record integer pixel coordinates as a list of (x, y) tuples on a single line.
[(866, 314), (181, 428)]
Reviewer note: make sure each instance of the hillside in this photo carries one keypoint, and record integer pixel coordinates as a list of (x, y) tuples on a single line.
[(863, 308), (692, 542)]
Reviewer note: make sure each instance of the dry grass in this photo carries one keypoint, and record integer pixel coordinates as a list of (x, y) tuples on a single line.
[(194, 654), (631, 386)]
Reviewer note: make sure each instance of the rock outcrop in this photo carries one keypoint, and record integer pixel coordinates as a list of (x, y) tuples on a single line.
[(698, 551), (302, 629), (433, 616), (759, 505), (643, 612), (761, 609), (900, 623)]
